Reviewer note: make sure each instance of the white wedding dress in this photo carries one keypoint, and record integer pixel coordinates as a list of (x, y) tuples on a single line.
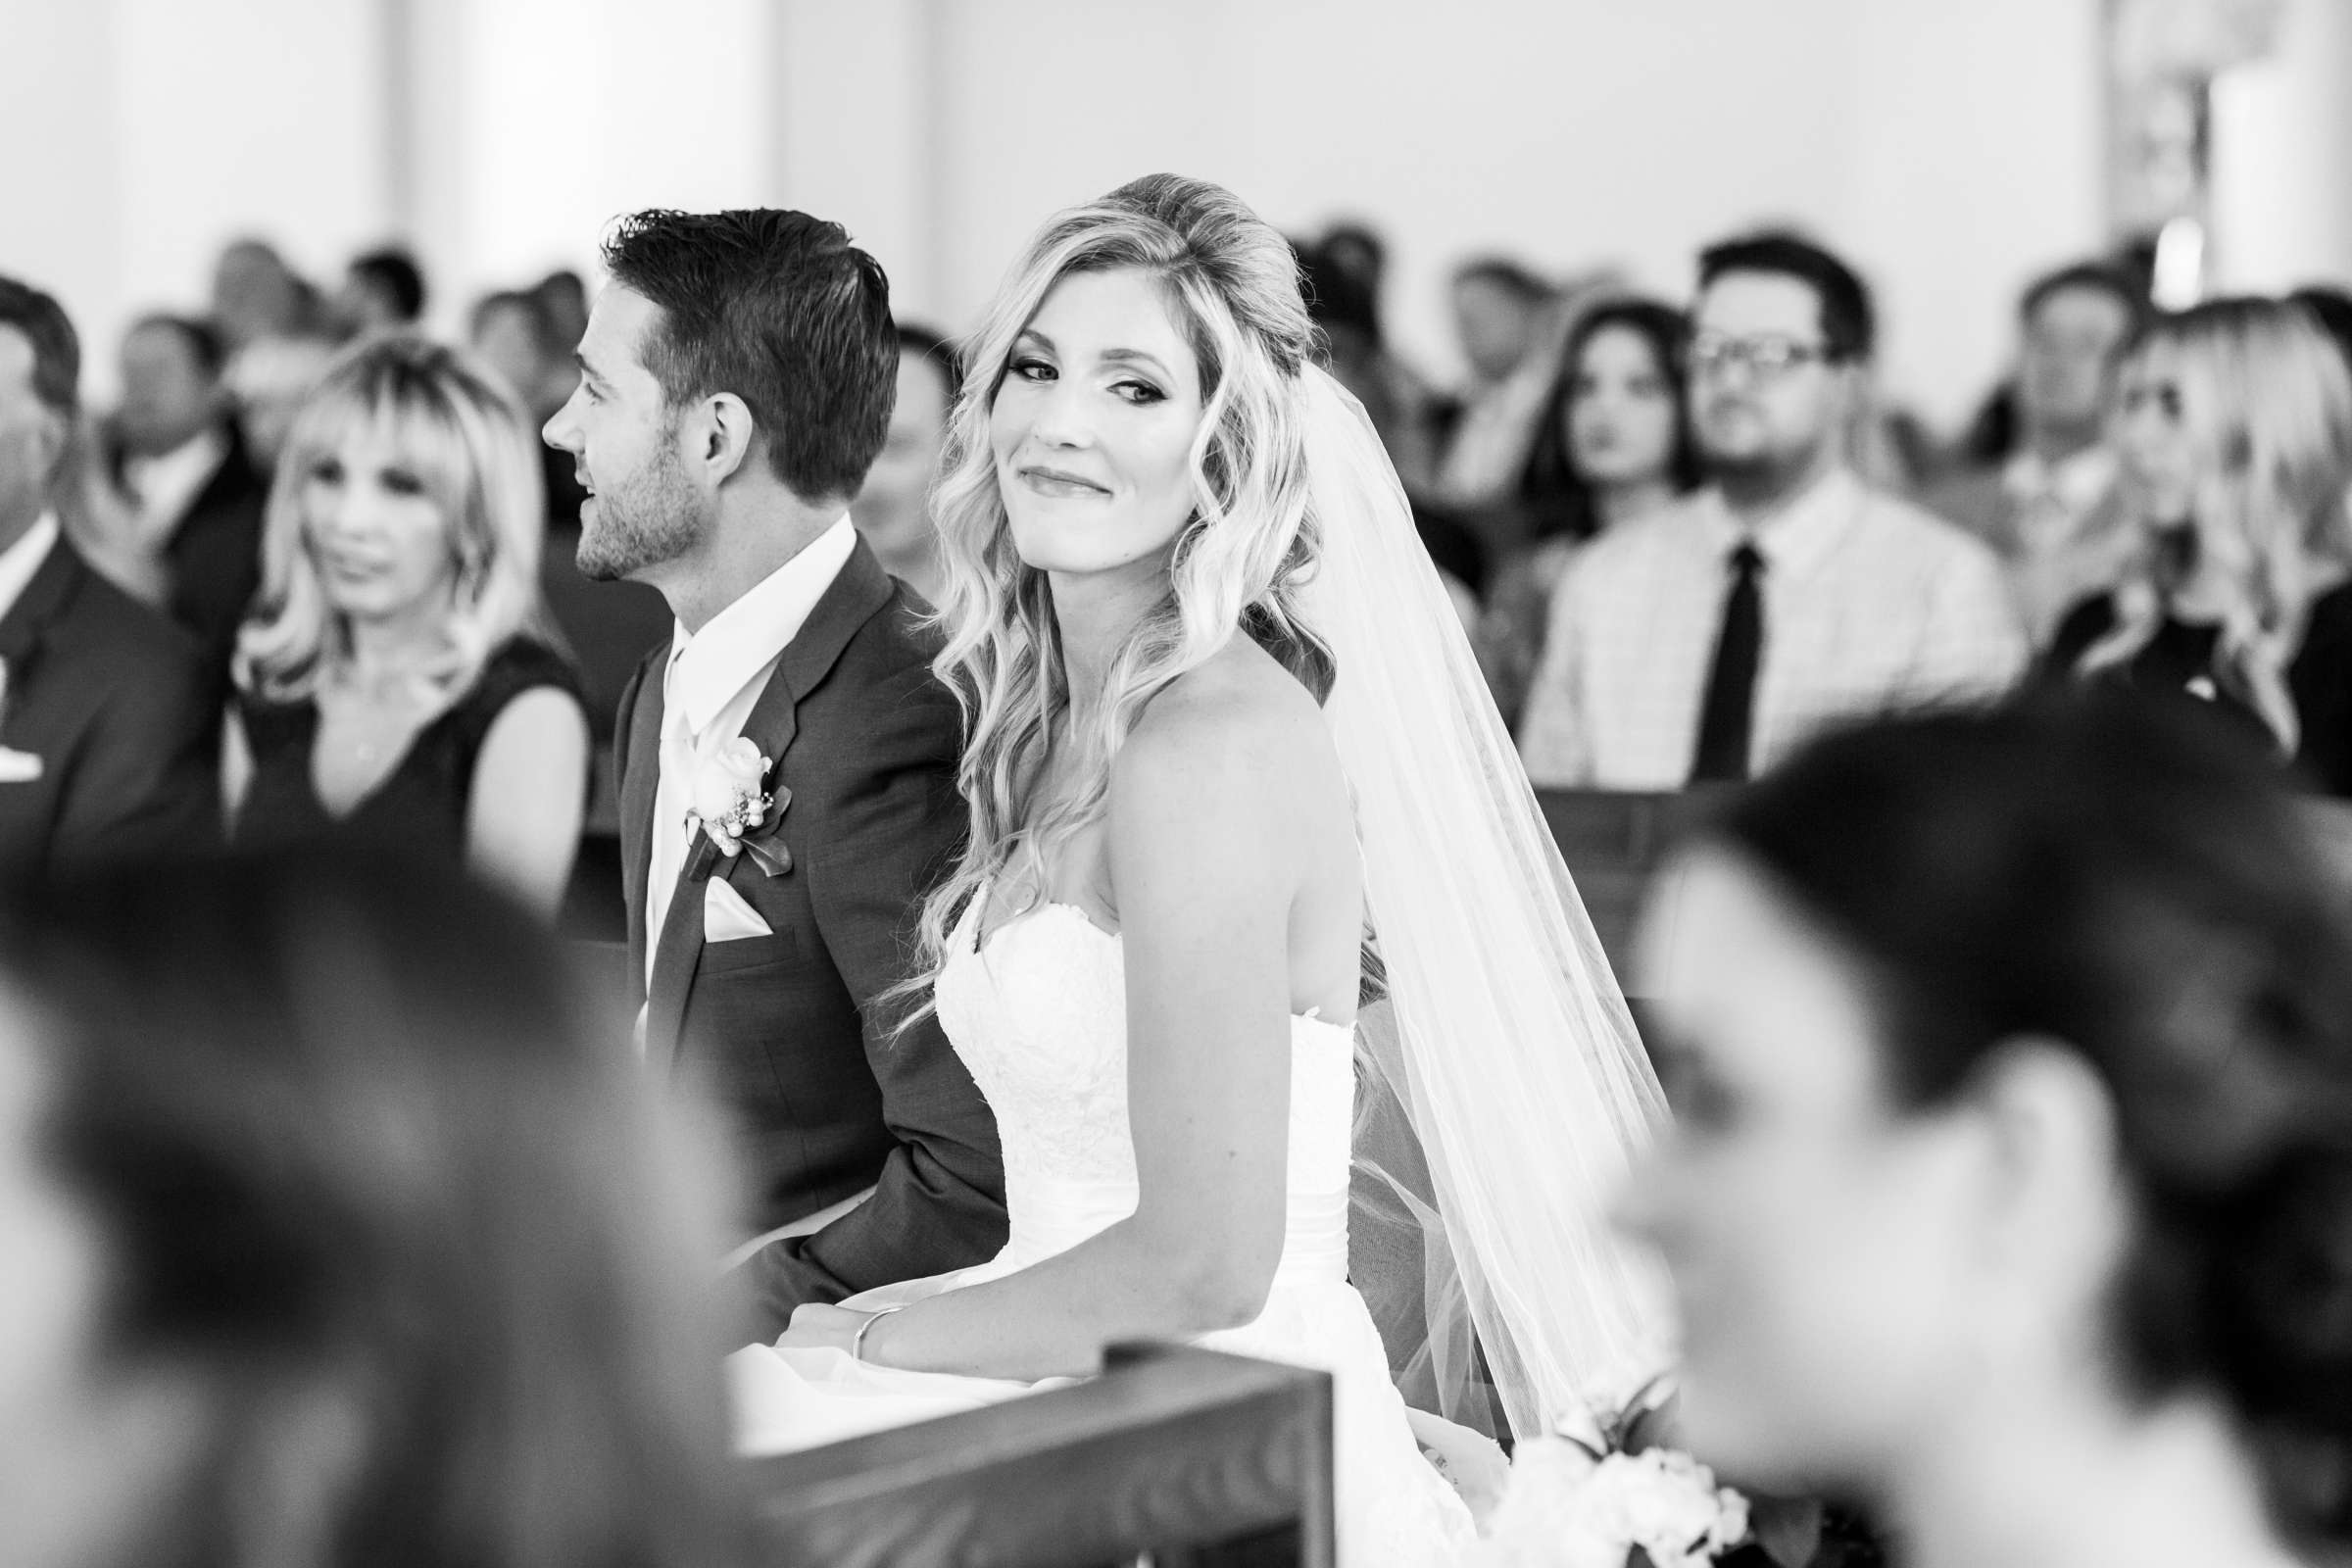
[(1040, 1017)]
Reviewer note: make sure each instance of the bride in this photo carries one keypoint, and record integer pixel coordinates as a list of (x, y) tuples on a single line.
[(1190, 850)]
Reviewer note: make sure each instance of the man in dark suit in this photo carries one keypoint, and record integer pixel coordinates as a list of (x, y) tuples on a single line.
[(197, 496), (736, 383), (2052, 507), (106, 730)]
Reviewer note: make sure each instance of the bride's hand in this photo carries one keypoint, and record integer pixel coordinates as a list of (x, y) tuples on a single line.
[(819, 1327), (1473, 1462)]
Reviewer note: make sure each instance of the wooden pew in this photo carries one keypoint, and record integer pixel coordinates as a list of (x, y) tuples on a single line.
[(1203, 1459), (1613, 843)]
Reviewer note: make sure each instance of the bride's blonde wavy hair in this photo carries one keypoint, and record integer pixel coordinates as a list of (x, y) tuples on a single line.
[(1240, 562), (2267, 403)]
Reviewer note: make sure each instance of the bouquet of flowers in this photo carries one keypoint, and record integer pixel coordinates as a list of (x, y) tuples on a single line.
[(1601, 1492)]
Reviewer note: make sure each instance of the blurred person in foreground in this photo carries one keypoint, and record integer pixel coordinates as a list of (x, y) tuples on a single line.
[(787, 761), (195, 493), (2236, 442), (383, 291), (1614, 444), (1706, 640), (2052, 507), (400, 679), (107, 714), (2010, 1185), (891, 511), (337, 1236)]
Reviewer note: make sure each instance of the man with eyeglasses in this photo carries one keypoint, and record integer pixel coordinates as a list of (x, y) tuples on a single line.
[(2049, 505), (1700, 644)]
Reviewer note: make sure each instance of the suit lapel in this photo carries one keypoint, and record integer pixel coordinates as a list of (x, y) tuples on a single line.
[(860, 589), (44, 599)]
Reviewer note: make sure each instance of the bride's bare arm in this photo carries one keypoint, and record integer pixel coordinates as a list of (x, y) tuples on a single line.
[(1209, 838)]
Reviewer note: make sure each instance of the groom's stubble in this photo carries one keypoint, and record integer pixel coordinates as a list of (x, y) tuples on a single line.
[(652, 516)]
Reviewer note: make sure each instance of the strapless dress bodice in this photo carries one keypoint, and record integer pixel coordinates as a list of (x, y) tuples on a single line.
[(1038, 1014)]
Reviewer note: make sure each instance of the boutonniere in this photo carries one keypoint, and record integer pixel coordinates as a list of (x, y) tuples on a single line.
[(734, 804)]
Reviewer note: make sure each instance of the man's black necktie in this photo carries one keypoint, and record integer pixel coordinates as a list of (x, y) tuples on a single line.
[(1726, 716)]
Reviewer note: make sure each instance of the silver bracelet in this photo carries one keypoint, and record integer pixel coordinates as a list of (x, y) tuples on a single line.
[(858, 1339)]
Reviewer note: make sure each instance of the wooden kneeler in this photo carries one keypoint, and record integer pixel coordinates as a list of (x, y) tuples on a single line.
[(1201, 1459)]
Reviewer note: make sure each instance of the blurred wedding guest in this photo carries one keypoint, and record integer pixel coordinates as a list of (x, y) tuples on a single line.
[(267, 386), (2237, 441), (382, 290), (399, 680), (564, 297), (515, 334), (1613, 444), (1345, 308), (2332, 307), (893, 510), (257, 295), (1358, 250), (2051, 507), (337, 1234), (1505, 317), (107, 721), (195, 494), (2010, 1183), (1705, 640)]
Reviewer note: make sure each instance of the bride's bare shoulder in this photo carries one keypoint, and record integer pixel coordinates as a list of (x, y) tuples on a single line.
[(1239, 722)]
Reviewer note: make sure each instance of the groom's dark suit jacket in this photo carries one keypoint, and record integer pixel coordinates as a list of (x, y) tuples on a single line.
[(790, 1029), (116, 702)]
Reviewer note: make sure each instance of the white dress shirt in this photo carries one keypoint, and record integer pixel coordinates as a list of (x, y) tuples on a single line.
[(709, 688), (2065, 539), (22, 561), (1869, 606)]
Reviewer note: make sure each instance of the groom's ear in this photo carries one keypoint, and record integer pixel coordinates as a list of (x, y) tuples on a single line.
[(719, 442)]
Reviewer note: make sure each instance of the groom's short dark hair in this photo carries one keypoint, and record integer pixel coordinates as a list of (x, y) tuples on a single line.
[(781, 310)]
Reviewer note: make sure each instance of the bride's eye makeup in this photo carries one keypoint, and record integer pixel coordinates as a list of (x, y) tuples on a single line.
[(1029, 368), (1139, 393)]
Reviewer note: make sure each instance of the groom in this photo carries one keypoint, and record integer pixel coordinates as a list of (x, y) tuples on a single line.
[(736, 381)]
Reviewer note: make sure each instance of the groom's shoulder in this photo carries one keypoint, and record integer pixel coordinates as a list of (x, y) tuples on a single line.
[(896, 644)]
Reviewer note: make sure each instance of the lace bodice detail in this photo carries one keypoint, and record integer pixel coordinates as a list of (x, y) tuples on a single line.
[(1039, 1017)]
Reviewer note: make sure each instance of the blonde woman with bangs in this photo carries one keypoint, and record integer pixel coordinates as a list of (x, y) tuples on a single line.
[(2235, 435), (1222, 723), (398, 678)]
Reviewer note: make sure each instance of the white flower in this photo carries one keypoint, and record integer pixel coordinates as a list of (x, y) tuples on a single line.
[(1562, 1510), (727, 794)]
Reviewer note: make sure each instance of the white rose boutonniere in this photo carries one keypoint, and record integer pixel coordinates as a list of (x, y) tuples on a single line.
[(733, 804)]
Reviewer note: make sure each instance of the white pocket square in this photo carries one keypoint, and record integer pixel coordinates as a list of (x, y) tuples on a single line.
[(726, 917)]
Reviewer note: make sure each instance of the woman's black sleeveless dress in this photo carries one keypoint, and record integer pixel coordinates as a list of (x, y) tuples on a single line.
[(422, 804)]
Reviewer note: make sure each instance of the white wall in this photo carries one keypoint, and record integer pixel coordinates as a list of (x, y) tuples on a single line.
[(2282, 157), (538, 121), (1950, 146), (143, 133)]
